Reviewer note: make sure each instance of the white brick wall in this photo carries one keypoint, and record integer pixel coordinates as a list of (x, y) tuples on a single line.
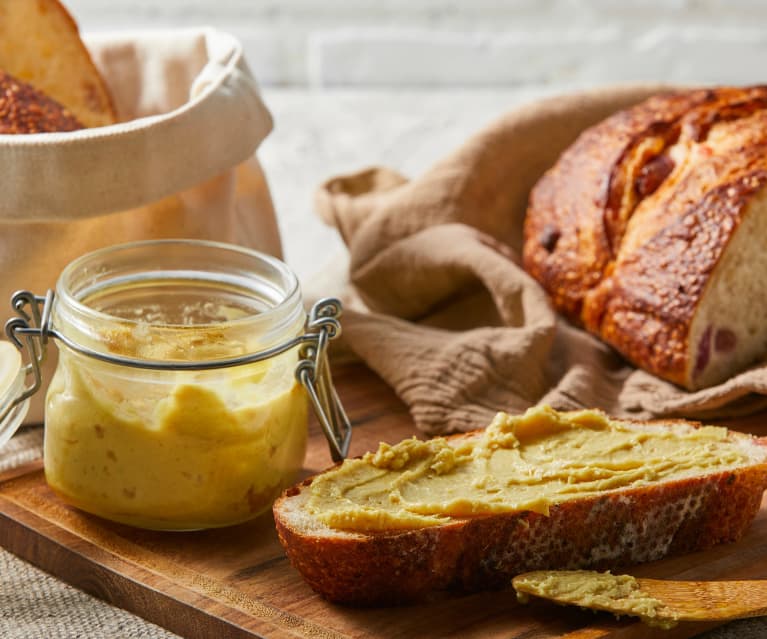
[(438, 43)]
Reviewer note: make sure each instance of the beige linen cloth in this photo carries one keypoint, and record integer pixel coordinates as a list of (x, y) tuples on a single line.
[(180, 163), (441, 308)]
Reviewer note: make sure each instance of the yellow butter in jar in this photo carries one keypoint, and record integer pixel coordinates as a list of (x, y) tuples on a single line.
[(176, 402)]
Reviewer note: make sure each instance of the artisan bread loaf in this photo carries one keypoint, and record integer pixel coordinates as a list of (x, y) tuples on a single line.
[(24, 109), (40, 44), (650, 231), (357, 543)]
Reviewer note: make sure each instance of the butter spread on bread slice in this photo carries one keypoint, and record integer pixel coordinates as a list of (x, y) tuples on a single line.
[(650, 232), (40, 44), (545, 490)]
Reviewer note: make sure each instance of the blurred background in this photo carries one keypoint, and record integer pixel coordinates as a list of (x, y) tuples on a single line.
[(352, 83), (469, 43)]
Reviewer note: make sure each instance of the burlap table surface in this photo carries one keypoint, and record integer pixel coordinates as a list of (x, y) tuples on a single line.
[(442, 310)]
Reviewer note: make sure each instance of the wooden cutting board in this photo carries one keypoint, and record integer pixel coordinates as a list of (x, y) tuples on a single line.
[(236, 582)]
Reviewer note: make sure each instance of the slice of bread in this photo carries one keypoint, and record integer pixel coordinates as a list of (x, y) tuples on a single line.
[(24, 109), (40, 44), (604, 530)]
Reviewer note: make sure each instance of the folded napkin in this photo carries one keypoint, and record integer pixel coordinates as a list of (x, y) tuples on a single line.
[(440, 307)]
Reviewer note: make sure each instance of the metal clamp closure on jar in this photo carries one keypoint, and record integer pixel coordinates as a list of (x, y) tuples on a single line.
[(32, 329)]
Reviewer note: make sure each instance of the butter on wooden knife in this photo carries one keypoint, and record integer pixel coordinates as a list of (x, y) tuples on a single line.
[(657, 602)]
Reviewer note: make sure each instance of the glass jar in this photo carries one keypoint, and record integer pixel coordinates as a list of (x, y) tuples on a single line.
[(180, 396)]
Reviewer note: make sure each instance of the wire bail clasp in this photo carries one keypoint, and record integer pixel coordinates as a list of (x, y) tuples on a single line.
[(29, 330), (313, 371)]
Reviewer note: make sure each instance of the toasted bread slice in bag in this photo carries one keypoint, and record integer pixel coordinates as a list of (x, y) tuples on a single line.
[(40, 44)]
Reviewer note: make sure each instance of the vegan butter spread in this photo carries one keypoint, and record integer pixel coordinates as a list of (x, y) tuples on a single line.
[(620, 594), (527, 462), (174, 449)]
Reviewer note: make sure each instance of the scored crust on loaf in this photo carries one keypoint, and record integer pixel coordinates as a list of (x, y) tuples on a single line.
[(649, 227), (40, 44), (23, 109), (614, 529)]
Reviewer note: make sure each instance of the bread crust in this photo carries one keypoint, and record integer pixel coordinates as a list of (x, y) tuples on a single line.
[(24, 109), (638, 232), (615, 529), (40, 44), (646, 308), (98, 99)]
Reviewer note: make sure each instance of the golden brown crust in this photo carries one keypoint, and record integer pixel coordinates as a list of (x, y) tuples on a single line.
[(616, 529), (40, 44), (97, 96), (24, 109), (638, 231), (576, 198), (646, 307)]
